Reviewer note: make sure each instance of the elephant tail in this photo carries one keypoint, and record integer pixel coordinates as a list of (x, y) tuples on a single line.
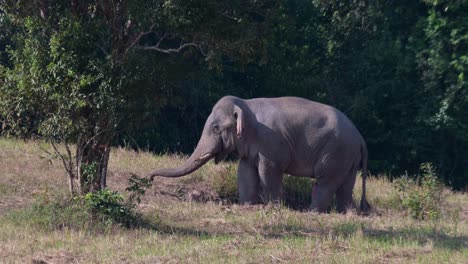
[(364, 207)]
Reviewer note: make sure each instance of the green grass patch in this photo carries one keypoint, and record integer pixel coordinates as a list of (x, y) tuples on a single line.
[(94, 212), (51, 212)]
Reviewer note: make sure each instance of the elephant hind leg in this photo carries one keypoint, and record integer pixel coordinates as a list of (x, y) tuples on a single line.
[(328, 174), (322, 195), (344, 194)]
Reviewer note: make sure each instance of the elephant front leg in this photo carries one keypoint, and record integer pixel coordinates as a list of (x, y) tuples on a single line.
[(248, 183), (271, 182)]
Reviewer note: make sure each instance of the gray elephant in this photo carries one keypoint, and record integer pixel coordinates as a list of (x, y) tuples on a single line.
[(273, 136)]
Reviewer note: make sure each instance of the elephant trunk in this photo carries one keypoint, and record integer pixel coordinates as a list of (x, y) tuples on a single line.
[(199, 157)]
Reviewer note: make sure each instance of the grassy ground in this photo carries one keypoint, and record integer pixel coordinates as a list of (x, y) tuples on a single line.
[(185, 221)]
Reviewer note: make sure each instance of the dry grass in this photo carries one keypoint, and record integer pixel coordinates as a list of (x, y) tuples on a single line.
[(182, 230)]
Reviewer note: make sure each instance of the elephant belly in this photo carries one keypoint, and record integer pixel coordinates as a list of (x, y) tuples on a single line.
[(306, 154), (304, 168)]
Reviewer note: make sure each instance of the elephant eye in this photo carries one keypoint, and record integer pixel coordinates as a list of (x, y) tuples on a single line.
[(216, 128)]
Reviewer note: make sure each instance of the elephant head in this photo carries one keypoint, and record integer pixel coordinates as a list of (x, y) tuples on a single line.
[(222, 130)]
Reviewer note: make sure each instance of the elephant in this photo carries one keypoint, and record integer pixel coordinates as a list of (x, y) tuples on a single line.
[(274, 136)]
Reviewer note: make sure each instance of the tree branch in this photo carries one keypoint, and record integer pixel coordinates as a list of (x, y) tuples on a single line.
[(67, 164), (157, 46), (174, 50), (137, 39), (224, 14)]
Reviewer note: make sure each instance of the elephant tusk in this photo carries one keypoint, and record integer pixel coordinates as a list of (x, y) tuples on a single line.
[(207, 155)]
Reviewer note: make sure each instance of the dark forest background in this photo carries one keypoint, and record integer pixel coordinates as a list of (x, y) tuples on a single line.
[(145, 74)]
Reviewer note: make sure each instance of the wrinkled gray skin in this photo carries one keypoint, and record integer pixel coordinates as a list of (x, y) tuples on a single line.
[(273, 136)]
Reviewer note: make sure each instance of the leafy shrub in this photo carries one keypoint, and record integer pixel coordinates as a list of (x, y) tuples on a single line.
[(137, 188), (109, 206), (421, 197), (89, 174)]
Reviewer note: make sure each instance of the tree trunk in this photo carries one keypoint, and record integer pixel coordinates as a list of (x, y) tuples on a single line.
[(91, 161)]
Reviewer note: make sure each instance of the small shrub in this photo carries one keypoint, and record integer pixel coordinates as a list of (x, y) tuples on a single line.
[(109, 206), (421, 197), (137, 188)]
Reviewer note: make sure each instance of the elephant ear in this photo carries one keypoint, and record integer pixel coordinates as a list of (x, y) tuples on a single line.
[(239, 116)]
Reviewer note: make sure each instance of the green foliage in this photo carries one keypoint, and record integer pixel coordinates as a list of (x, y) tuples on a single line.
[(57, 83), (444, 63), (137, 187), (423, 198), (88, 173), (108, 206)]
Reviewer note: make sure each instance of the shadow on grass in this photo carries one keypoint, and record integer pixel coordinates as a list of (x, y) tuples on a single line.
[(395, 236), (422, 236), (389, 237)]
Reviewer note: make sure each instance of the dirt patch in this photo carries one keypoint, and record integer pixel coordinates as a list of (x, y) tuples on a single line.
[(165, 188), (198, 192), (13, 202)]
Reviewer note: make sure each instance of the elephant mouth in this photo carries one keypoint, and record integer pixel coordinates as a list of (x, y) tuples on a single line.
[(220, 157)]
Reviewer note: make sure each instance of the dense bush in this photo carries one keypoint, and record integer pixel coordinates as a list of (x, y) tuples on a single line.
[(421, 197)]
